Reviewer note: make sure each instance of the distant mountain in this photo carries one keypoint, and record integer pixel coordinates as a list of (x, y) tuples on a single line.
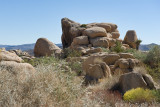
[(147, 47), (24, 47), (59, 45)]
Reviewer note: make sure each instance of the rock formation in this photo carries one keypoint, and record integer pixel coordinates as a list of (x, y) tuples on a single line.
[(123, 65), (84, 37), (8, 56), (24, 55), (44, 47), (106, 33), (134, 80), (94, 32), (131, 38), (70, 30), (10, 62), (119, 63), (18, 68)]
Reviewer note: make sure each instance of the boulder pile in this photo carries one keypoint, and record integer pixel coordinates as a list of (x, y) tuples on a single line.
[(134, 80), (13, 63), (84, 37), (104, 64), (24, 55), (44, 47)]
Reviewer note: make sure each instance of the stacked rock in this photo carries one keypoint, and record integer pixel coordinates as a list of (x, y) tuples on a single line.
[(84, 36), (119, 63), (12, 63), (89, 36), (130, 39)]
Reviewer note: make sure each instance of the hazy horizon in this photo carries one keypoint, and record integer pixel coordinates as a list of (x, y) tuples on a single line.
[(23, 22)]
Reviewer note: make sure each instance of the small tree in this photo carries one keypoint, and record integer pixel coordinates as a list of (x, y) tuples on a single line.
[(153, 57), (118, 47), (83, 25), (138, 42)]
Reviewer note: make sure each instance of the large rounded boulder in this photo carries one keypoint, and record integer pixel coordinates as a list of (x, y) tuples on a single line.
[(115, 35), (8, 56), (99, 71), (91, 60), (22, 70), (100, 42), (105, 26), (110, 59), (131, 38), (134, 80), (44, 47), (95, 68), (81, 40), (95, 32)]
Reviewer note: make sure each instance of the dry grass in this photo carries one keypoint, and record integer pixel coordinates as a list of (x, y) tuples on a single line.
[(54, 86), (140, 70), (47, 87)]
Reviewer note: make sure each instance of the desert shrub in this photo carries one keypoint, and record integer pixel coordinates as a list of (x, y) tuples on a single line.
[(83, 25), (77, 67), (138, 42), (106, 97), (140, 70), (154, 72), (156, 93), (71, 53), (153, 57), (137, 54), (48, 87), (139, 95), (103, 92), (105, 49), (117, 48), (45, 60)]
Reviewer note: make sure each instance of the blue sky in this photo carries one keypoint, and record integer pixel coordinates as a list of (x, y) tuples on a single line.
[(24, 21)]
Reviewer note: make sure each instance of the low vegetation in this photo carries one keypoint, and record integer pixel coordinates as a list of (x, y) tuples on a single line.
[(56, 84), (138, 42), (43, 60), (137, 54), (153, 57), (117, 48), (48, 87), (139, 95), (77, 67), (83, 25), (71, 53)]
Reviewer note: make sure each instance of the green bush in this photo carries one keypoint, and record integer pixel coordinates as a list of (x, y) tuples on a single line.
[(77, 67), (154, 72), (71, 53), (139, 95), (83, 25), (153, 57), (42, 60), (137, 54), (138, 42), (118, 48), (105, 49), (156, 93)]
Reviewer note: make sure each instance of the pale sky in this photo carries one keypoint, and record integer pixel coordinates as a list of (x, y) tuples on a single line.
[(24, 21)]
